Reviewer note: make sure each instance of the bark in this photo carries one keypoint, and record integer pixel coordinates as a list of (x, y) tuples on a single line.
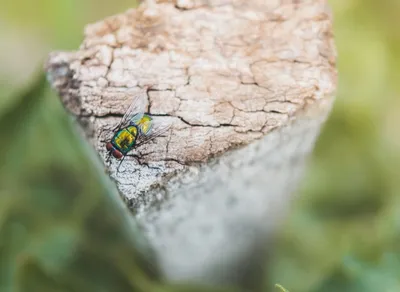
[(246, 86)]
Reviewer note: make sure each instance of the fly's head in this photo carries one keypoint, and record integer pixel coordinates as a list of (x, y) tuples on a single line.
[(113, 151)]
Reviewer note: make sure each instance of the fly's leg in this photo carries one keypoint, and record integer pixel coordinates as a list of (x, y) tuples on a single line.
[(108, 131), (122, 160), (137, 158), (108, 135), (108, 157), (130, 155)]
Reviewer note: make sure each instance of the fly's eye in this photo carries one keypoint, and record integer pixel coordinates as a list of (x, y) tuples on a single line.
[(117, 154), (109, 146)]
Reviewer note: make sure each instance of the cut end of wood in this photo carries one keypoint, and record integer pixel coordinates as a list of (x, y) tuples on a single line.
[(223, 73)]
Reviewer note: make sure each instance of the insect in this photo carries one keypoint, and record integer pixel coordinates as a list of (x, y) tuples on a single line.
[(134, 129)]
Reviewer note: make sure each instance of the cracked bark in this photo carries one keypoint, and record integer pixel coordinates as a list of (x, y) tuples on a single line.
[(246, 86)]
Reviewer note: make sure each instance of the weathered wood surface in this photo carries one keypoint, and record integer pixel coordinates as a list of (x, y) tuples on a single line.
[(246, 86)]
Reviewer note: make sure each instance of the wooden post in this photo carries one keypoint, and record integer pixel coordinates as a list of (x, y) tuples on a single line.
[(246, 85)]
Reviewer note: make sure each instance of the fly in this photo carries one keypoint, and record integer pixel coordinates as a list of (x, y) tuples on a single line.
[(134, 129)]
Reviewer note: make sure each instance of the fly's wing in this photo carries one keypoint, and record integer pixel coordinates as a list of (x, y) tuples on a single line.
[(158, 131), (135, 110)]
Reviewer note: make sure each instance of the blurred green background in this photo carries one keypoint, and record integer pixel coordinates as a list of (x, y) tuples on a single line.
[(343, 233)]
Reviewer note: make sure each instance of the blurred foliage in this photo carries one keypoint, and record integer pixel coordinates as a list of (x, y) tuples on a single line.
[(281, 288), (343, 233), (62, 225), (344, 229)]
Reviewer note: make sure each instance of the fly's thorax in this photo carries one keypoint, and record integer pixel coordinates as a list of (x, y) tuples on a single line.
[(124, 140), (133, 130)]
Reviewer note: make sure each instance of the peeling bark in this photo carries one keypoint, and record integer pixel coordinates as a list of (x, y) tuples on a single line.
[(246, 86)]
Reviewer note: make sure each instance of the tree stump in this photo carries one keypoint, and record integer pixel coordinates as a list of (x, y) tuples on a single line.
[(246, 85)]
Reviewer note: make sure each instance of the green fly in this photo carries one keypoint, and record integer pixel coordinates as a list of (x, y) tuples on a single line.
[(134, 129)]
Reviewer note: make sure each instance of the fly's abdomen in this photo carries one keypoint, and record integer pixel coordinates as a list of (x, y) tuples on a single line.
[(145, 124)]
